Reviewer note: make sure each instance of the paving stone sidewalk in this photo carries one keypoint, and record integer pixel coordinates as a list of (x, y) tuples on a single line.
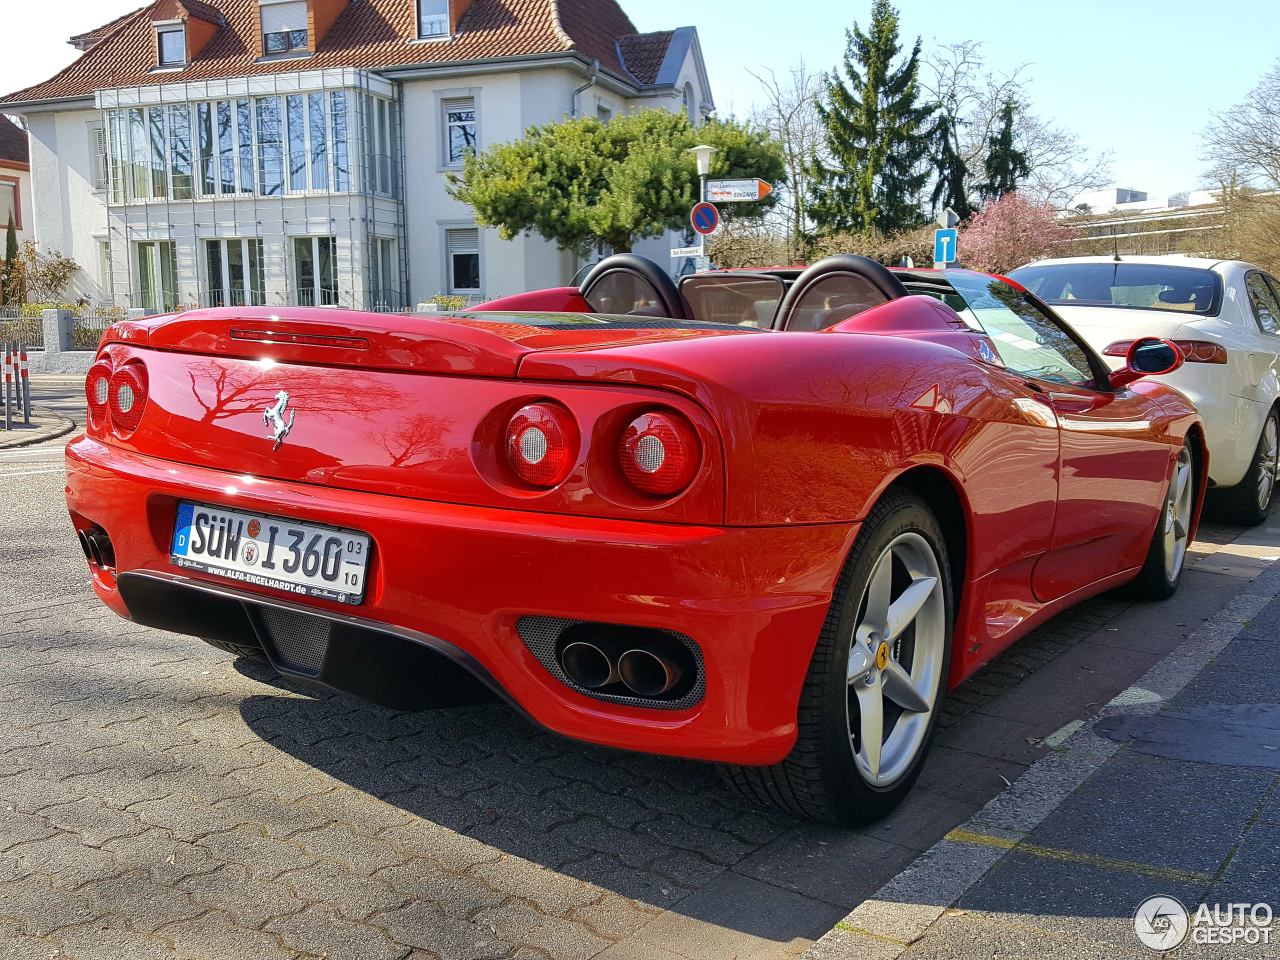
[(1182, 802)]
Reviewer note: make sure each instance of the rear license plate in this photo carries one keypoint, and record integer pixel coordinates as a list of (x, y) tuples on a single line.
[(307, 559)]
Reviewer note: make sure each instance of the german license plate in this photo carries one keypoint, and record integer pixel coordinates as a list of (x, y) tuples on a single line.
[(307, 559)]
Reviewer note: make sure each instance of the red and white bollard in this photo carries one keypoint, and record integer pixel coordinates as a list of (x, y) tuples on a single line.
[(25, 384), (8, 388)]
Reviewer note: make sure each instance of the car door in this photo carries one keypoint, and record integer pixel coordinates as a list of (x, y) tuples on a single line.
[(1263, 295), (1113, 466)]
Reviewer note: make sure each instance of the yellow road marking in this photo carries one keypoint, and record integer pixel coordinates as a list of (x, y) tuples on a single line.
[(1070, 856)]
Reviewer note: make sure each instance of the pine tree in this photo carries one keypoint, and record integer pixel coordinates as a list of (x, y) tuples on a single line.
[(9, 272), (876, 134), (951, 189), (1006, 165)]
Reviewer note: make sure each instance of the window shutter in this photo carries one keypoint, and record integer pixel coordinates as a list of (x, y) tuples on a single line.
[(98, 149), (464, 241), (284, 17)]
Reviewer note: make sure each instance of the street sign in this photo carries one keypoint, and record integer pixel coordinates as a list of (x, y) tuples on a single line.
[(737, 191), (948, 218), (944, 246), (679, 253), (705, 218)]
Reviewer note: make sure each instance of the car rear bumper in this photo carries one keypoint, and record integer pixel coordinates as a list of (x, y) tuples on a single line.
[(457, 580)]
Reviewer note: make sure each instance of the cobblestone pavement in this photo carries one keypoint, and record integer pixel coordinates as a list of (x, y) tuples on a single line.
[(160, 799)]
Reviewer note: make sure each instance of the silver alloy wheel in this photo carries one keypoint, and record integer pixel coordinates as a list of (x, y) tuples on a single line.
[(895, 659), (1177, 515), (1268, 461)]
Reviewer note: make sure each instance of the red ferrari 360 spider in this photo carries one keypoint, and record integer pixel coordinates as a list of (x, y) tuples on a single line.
[(765, 518)]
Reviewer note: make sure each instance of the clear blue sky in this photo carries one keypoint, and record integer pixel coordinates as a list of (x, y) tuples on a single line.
[(1138, 77)]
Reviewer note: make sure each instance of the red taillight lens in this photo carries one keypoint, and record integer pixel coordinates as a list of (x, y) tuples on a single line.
[(127, 396), (1193, 351), (660, 453), (542, 444), (97, 388)]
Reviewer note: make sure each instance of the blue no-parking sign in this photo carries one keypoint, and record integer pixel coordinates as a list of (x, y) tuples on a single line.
[(705, 218), (944, 246)]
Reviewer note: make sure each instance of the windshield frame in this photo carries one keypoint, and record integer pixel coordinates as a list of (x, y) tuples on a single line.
[(1215, 305)]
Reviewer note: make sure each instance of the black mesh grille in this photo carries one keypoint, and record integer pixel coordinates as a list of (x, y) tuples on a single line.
[(541, 634), (295, 641)]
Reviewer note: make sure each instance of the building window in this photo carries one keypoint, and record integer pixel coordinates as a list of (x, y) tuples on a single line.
[(237, 148), (433, 18), (463, 253), (10, 204), (156, 290), (384, 275), (172, 45), (459, 130), (284, 27), (603, 113), (382, 140), (99, 150), (234, 273), (315, 271), (270, 147)]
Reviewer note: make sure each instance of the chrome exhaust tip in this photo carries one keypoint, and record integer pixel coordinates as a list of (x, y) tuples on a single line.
[(651, 671), (100, 549), (588, 666), (84, 545)]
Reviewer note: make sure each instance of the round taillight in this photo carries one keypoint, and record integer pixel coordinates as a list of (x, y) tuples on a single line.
[(97, 388), (542, 444), (127, 396), (660, 453)]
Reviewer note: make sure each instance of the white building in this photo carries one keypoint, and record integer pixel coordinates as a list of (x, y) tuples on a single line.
[(296, 151)]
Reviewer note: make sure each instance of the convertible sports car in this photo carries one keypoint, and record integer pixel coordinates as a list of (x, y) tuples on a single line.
[(765, 519)]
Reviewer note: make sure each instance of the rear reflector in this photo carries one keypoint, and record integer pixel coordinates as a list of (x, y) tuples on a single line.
[(1193, 351), (542, 444), (659, 453)]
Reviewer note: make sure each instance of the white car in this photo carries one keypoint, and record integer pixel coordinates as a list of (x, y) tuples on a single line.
[(1225, 315)]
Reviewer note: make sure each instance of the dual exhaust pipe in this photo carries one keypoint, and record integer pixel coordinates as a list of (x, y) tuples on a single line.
[(97, 547), (649, 671)]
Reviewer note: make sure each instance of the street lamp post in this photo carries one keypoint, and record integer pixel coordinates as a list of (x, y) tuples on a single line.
[(703, 156)]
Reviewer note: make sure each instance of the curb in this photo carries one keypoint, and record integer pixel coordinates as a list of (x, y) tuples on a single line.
[(890, 921), (60, 426)]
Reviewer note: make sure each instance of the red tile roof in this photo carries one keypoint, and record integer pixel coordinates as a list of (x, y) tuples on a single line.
[(83, 41), (13, 142), (369, 34), (643, 53)]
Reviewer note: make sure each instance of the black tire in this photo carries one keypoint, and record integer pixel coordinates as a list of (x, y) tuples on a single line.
[(1154, 581), (1241, 505), (249, 651), (819, 778)]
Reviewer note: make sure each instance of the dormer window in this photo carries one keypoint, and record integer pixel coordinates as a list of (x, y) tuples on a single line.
[(284, 27), (433, 18), (172, 46)]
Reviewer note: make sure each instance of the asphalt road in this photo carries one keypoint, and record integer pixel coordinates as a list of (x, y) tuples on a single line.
[(159, 799)]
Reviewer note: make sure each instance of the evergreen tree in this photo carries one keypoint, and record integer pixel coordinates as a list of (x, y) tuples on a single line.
[(951, 189), (876, 134), (12, 264), (1006, 165)]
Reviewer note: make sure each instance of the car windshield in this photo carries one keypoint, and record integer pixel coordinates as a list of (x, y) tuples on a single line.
[(1141, 286), (749, 301)]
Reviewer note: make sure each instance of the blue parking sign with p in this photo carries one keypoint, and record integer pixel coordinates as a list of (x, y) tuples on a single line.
[(944, 246)]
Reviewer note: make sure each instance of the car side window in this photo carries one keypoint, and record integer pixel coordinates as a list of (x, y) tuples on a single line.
[(1030, 342), (1263, 300), (623, 292)]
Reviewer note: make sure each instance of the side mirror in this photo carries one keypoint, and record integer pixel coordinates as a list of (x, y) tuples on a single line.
[(1147, 357)]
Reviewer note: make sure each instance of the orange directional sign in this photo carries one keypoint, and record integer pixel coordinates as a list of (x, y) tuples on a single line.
[(737, 191)]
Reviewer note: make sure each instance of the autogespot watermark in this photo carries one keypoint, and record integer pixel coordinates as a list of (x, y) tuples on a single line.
[(1163, 923)]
